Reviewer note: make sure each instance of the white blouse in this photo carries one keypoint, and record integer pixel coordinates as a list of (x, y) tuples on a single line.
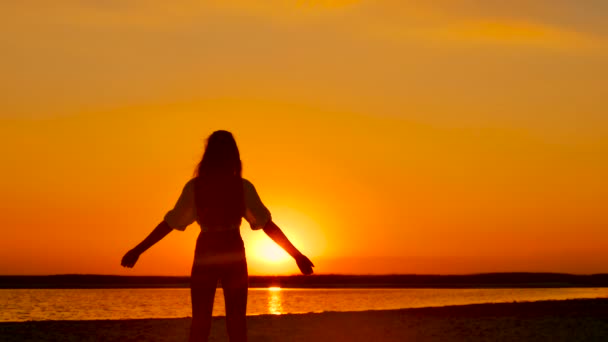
[(184, 212)]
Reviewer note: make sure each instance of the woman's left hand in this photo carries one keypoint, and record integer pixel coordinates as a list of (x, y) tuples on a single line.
[(130, 258)]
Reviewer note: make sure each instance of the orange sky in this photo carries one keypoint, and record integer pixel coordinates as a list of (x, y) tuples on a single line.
[(384, 136)]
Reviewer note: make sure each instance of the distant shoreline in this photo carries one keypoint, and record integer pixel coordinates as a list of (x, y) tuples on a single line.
[(485, 280)]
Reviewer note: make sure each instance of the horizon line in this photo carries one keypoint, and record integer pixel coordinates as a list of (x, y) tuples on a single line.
[(316, 274)]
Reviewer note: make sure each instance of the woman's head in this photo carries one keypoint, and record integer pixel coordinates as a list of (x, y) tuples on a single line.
[(221, 156), (219, 184)]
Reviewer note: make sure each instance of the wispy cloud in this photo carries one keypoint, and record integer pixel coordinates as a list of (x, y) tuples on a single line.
[(490, 32), (521, 33), (543, 24)]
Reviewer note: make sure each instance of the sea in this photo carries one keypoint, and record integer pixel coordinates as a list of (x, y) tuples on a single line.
[(101, 304)]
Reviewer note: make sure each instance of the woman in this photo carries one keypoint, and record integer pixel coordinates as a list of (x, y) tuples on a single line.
[(217, 198)]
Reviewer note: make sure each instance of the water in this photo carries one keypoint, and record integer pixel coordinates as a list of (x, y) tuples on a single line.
[(89, 304)]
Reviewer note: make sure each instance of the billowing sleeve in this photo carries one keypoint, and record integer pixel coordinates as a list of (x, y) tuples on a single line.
[(184, 212), (255, 212)]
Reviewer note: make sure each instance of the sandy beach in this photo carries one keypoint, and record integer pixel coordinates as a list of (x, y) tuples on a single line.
[(572, 320)]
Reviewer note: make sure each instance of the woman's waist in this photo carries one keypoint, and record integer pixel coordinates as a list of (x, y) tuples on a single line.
[(219, 233), (219, 247), (209, 228), (220, 239)]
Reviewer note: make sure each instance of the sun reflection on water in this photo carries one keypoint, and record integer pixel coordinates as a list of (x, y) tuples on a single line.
[(275, 301)]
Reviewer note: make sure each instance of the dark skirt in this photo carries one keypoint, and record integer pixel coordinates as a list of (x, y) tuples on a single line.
[(220, 256)]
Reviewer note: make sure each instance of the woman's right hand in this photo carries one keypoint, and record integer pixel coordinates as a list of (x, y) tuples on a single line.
[(130, 258), (304, 264)]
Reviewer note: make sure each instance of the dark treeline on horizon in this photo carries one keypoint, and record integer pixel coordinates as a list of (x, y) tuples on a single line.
[(485, 280)]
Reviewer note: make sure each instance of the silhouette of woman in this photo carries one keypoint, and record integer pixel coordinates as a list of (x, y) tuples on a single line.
[(217, 198)]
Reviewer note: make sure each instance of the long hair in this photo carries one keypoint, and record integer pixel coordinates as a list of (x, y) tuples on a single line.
[(219, 184)]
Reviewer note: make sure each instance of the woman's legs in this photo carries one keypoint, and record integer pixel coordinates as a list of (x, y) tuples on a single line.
[(234, 283), (219, 255), (202, 292)]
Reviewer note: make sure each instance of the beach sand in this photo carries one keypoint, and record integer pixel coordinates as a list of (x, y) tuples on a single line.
[(571, 320)]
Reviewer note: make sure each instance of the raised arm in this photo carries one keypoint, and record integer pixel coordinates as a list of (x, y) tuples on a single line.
[(276, 234), (156, 235), (182, 215)]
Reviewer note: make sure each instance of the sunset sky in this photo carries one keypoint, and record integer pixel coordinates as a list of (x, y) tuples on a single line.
[(450, 136)]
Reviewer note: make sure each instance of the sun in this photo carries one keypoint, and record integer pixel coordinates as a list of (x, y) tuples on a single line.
[(268, 251), (266, 257)]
